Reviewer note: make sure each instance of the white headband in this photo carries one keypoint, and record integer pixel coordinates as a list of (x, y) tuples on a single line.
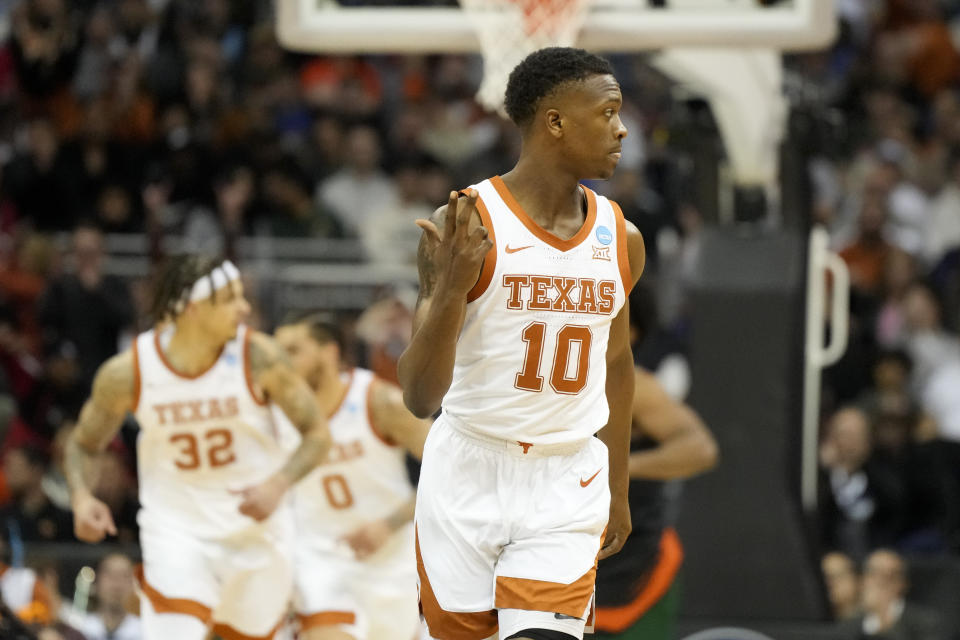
[(218, 278)]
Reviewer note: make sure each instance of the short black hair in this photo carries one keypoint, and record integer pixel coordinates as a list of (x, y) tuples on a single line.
[(542, 72), (322, 326)]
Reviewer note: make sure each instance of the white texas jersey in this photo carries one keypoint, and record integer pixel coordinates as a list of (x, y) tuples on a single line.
[(531, 358), (364, 477), (202, 438)]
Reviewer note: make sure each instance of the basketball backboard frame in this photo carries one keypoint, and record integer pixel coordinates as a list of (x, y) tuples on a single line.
[(323, 26)]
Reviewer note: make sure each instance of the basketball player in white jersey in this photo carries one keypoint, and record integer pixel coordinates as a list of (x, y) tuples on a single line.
[(522, 336), (355, 573), (212, 471)]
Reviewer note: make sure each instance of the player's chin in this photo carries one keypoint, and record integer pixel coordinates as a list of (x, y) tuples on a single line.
[(604, 173)]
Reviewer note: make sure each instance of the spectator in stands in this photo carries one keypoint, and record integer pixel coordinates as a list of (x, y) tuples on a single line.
[(843, 585), (31, 516), (361, 188), (890, 392), (292, 211), (43, 180), (23, 280), (867, 255), (899, 272), (57, 394), (904, 451), (907, 204), (942, 231), (936, 356), (45, 47), (86, 307), (886, 613), (391, 236), (862, 501), (112, 620)]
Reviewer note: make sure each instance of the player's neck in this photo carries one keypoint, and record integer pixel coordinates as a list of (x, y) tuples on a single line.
[(112, 617), (330, 390), (547, 195), (190, 351)]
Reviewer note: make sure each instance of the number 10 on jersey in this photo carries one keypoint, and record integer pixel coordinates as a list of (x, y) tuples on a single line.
[(529, 378)]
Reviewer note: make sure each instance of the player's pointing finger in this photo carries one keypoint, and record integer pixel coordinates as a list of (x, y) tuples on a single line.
[(465, 212), (450, 217)]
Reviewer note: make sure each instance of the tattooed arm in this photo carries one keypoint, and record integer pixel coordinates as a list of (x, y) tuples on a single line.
[(275, 377), (100, 419), (451, 254)]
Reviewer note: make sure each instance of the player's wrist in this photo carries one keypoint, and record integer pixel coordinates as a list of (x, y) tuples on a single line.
[(78, 496), (282, 481), (395, 521), (448, 289)]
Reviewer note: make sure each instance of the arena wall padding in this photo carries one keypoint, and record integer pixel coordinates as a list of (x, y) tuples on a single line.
[(747, 554)]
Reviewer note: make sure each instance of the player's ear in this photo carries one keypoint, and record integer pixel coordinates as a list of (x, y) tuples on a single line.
[(554, 122)]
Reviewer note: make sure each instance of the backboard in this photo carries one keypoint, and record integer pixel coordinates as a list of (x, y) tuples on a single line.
[(611, 26)]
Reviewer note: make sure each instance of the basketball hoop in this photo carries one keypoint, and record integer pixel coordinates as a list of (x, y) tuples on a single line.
[(509, 30)]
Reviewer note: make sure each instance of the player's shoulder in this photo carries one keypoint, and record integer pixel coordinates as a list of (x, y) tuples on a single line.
[(383, 394), (636, 250), (262, 349)]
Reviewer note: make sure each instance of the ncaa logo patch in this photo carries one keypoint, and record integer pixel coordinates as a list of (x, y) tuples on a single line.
[(603, 235)]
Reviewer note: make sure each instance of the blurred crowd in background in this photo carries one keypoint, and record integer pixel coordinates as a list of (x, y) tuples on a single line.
[(186, 118)]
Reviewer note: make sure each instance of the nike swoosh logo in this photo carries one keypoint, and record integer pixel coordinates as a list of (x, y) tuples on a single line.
[(584, 483), (510, 249), (561, 616)]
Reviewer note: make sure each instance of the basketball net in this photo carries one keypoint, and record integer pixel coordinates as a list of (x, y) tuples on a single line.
[(509, 30)]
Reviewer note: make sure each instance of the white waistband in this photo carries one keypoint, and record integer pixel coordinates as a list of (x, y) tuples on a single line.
[(513, 447)]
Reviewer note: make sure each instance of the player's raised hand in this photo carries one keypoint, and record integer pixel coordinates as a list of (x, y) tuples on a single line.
[(92, 521), (457, 252), (367, 539), (263, 499)]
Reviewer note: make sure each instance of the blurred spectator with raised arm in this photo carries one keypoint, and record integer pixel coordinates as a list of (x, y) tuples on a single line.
[(886, 613)]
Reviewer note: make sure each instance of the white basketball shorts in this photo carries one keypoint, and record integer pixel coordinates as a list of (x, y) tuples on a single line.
[(508, 533), (239, 588), (373, 599)]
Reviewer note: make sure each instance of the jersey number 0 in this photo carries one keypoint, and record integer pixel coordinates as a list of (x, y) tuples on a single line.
[(561, 380)]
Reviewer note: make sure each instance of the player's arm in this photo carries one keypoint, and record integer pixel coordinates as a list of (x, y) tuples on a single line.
[(619, 390), (275, 376), (368, 538), (449, 260), (392, 418), (685, 445), (100, 419)]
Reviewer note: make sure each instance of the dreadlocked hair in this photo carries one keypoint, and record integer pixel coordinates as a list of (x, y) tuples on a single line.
[(176, 280)]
